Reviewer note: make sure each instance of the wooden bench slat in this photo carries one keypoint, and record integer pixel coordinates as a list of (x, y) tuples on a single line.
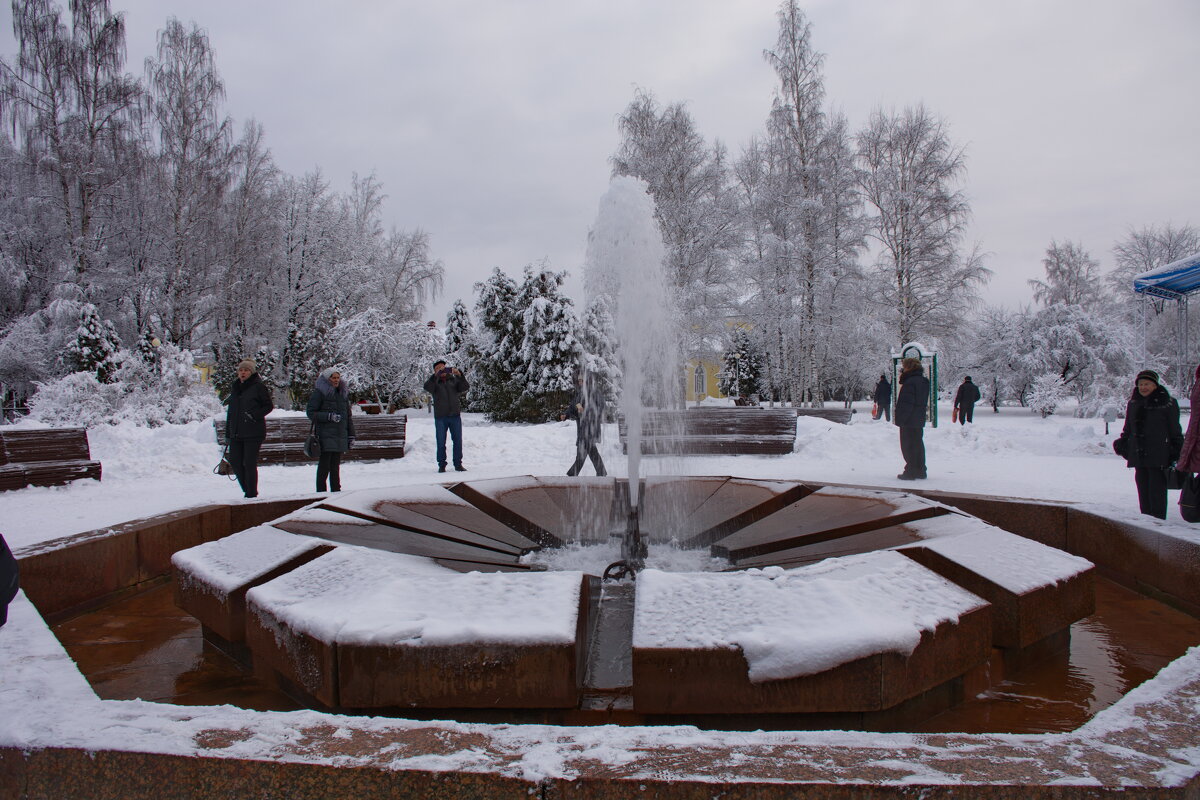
[(716, 431)]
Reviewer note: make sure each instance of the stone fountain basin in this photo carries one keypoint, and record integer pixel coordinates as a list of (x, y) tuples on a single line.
[(837, 600)]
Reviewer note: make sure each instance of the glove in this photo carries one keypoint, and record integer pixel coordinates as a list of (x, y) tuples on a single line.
[(1119, 446), (335, 417)]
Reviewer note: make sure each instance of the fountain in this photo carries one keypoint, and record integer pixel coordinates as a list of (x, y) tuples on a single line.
[(818, 607)]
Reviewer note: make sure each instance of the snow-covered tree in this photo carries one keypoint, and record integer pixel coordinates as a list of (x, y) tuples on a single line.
[(741, 367), (1046, 394), (598, 349), (1072, 277), (911, 172), (94, 348), (501, 335), (549, 350)]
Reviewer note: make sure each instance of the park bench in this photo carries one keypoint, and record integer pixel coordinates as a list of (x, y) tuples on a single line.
[(377, 436), (841, 415), (45, 457), (716, 431)]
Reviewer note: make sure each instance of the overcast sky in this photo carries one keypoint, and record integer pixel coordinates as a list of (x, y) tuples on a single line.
[(490, 124)]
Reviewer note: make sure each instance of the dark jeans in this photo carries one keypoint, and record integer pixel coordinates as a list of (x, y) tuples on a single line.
[(243, 457), (454, 426), (329, 466), (966, 414), (1152, 490), (585, 449), (885, 410), (912, 447)]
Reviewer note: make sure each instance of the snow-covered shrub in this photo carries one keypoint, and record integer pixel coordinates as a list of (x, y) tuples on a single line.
[(166, 390), (1046, 394), (77, 399)]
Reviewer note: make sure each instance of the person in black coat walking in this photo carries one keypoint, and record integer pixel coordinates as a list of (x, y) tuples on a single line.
[(883, 399), (912, 400), (587, 409), (329, 409), (445, 386), (965, 399), (1151, 441), (247, 407)]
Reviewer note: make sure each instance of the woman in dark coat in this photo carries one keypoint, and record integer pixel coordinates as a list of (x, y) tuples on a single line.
[(1189, 457), (588, 412), (912, 400), (1151, 441), (247, 407), (883, 399), (329, 409)]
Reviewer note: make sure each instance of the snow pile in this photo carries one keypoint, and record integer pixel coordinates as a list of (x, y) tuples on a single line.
[(790, 623), (359, 596)]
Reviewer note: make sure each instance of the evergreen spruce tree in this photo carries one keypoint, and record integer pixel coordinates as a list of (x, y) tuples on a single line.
[(597, 342), (501, 332), (147, 348), (742, 367), (462, 350), (550, 352), (94, 348)]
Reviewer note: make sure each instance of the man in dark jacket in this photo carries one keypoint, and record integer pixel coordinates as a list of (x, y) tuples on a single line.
[(247, 407), (444, 386), (912, 400), (588, 412), (1151, 441), (883, 399), (965, 400)]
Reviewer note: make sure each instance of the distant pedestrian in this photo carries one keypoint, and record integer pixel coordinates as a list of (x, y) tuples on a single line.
[(965, 400), (446, 386), (246, 410), (1151, 441), (883, 399), (587, 409), (912, 400), (329, 409)]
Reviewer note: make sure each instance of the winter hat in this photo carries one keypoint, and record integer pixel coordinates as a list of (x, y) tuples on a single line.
[(248, 364), (968, 379), (435, 364), (1149, 375), (328, 371)]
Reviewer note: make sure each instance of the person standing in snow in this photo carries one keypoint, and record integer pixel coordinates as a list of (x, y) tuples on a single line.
[(445, 386), (965, 400), (1151, 441), (246, 411), (1189, 456), (883, 399), (912, 398), (9, 579), (329, 409), (588, 411)]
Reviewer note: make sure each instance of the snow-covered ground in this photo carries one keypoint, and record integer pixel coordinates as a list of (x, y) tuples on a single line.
[(1015, 453)]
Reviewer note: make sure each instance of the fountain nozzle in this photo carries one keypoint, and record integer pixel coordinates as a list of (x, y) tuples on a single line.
[(633, 551)]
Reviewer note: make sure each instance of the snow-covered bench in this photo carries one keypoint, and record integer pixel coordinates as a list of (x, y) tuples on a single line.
[(377, 436), (45, 457), (716, 431)]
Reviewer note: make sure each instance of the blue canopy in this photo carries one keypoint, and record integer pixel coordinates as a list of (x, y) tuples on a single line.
[(1172, 281)]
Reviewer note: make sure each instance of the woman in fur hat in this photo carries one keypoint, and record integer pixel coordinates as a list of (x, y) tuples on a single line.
[(329, 409), (1150, 441)]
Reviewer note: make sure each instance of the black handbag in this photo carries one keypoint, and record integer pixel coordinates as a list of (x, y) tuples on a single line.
[(1175, 478), (1189, 498), (312, 445)]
